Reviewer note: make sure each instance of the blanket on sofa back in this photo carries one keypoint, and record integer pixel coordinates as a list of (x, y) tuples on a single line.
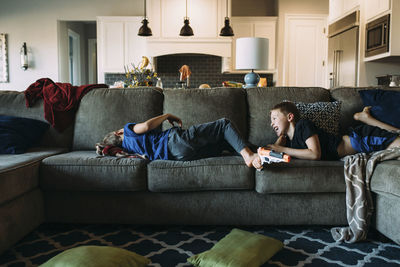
[(61, 100), (358, 170)]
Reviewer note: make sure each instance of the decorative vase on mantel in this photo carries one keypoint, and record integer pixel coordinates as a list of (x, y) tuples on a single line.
[(140, 75)]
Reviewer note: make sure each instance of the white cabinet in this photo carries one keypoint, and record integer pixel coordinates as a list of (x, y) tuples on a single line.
[(118, 44), (335, 9), (350, 5), (206, 17), (341, 8), (255, 27), (375, 8)]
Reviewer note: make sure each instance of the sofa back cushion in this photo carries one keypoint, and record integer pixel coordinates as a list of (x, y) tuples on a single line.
[(262, 99), (197, 106), (12, 103), (104, 110), (351, 103)]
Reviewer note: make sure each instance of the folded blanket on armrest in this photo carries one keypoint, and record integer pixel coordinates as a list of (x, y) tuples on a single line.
[(358, 170)]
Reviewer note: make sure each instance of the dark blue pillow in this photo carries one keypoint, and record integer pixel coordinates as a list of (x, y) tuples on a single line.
[(19, 134), (385, 105)]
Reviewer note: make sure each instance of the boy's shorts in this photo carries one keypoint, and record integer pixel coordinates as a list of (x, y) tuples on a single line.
[(367, 139)]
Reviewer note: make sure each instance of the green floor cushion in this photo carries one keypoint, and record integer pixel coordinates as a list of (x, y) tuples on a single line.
[(238, 248), (97, 256)]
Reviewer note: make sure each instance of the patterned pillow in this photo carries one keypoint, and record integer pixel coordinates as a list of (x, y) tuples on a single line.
[(325, 115)]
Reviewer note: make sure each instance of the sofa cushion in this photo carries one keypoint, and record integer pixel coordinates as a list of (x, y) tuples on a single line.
[(325, 115), (104, 110), (384, 105), (386, 177), (12, 103), (351, 103), (239, 248), (97, 256), (197, 106), (85, 171), (301, 176), (219, 173), (18, 134), (262, 99), (20, 173)]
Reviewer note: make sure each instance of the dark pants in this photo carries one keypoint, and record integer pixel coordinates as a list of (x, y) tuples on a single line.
[(204, 140)]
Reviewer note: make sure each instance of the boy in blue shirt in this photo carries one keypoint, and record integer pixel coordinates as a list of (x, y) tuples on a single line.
[(198, 141), (302, 139)]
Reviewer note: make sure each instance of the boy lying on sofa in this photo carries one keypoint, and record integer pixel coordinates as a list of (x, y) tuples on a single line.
[(302, 139), (198, 141)]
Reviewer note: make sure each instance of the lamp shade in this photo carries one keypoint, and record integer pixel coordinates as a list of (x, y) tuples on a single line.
[(252, 53)]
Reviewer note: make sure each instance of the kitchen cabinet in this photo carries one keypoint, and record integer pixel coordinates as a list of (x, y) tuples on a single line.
[(374, 8), (118, 44), (376, 11), (254, 27), (341, 8), (206, 17)]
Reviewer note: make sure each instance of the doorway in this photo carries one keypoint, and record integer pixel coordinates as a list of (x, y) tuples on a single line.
[(305, 51), (77, 53)]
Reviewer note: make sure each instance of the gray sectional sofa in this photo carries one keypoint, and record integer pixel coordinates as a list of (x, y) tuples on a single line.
[(64, 180)]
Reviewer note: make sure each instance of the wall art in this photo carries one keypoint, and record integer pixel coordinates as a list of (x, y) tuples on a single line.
[(3, 58)]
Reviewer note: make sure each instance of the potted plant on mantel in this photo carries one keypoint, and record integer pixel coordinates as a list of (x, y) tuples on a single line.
[(140, 75)]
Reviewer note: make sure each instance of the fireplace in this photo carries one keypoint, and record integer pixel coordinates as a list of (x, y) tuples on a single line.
[(205, 69)]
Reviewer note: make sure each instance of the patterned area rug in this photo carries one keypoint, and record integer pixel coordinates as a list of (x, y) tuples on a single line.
[(172, 245)]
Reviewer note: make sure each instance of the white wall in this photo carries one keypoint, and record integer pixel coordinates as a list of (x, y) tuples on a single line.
[(35, 22)]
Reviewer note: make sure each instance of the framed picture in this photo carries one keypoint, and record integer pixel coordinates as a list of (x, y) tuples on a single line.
[(3, 58)]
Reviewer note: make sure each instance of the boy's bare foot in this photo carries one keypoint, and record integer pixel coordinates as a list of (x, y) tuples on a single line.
[(248, 156), (364, 115), (257, 163)]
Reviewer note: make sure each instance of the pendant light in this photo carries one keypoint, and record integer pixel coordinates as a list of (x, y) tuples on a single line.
[(186, 29), (226, 30), (144, 29)]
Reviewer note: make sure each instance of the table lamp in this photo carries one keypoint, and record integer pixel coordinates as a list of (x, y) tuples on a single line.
[(251, 54)]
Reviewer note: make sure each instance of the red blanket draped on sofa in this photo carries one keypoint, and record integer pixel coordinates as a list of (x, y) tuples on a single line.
[(60, 100)]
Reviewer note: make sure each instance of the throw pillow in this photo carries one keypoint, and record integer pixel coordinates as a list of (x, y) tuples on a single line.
[(97, 256), (325, 115), (18, 134), (384, 105), (238, 248)]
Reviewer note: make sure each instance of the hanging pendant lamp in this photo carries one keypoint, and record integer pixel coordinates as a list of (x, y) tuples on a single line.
[(227, 29), (186, 29), (144, 30)]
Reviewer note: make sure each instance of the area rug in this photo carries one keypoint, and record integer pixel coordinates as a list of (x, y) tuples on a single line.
[(172, 245)]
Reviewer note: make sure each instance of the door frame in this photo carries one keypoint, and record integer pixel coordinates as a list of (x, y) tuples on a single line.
[(286, 48), (76, 57), (92, 60)]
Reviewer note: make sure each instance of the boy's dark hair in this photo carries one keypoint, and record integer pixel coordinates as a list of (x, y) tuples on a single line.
[(112, 139), (287, 107)]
